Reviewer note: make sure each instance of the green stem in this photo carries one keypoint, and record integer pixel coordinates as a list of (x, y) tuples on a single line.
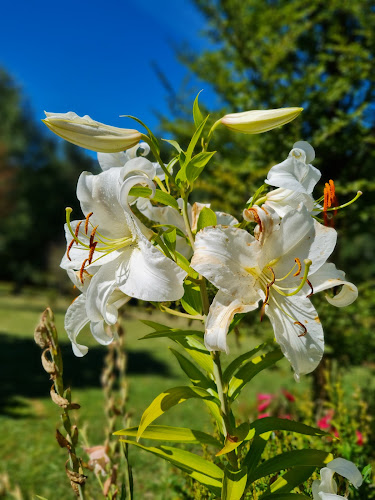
[(186, 220)]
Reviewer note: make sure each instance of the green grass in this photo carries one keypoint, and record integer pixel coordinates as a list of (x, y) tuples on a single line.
[(28, 418)]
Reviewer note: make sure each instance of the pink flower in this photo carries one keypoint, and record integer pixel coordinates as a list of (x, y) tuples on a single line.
[(325, 422), (264, 396), (360, 440), (264, 415), (286, 416), (288, 396), (264, 405)]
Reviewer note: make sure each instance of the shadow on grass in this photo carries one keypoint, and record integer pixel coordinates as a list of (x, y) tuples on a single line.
[(22, 373)]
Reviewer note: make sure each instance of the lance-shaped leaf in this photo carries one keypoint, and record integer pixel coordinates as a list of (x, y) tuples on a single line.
[(167, 400), (288, 481), (234, 484), (159, 196), (250, 369), (282, 424), (197, 467), (285, 496), (207, 217), (296, 458), (191, 300), (197, 115), (256, 450), (194, 374), (196, 165), (240, 360), (175, 434)]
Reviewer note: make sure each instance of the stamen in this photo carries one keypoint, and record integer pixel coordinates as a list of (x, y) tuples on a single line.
[(87, 221), (311, 288), (273, 276), (69, 248), (256, 217), (77, 229), (339, 207), (92, 236), (298, 262), (68, 211), (307, 263), (91, 253), (82, 270), (303, 328), (263, 309)]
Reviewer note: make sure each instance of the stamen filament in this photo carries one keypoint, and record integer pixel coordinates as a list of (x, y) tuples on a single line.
[(298, 262), (307, 263), (359, 193), (68, 211)]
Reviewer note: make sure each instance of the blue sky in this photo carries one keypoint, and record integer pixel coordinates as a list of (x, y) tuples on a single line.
[(94, 57)]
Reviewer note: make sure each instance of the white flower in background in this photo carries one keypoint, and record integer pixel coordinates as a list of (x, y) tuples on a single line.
[(134, 160), (326, 488), (282, 271), (259, 121), (112, 247), (295, 179), (169, 216), (90, 134)]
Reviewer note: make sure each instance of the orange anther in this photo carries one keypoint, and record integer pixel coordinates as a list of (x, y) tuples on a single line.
[(87, 221), (273, 277), (303, 328), (91, 253), (92, 236), (69, 248), (77, 230), (82, 270), (298, 262), (311, 288)]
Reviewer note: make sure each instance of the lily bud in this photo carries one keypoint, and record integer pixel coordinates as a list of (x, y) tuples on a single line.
[(259, 121), (87, 133)]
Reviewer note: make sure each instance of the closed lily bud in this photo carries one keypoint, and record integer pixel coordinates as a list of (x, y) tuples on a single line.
[(259, 121), (87, 133)]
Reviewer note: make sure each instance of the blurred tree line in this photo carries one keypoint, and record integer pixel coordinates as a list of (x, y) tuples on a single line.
[(318, 55), (38, 177)]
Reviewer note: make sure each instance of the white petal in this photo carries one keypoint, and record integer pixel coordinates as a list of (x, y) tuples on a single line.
[(139, 165), (294, 174), (99, 194), (110, 160), (328, 276), (147, 274), (327, 483), (304, 353), (225, 219), (222, 255), (75, 319), (222, 311), (307, 148), (282, 200), (100, 333), (162, 215), (330, 496), (346, 469)]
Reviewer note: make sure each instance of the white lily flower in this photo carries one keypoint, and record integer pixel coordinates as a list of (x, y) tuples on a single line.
[(295, 179), (90, 134), (326, 488), (169, 216), (259, 121), (113, 246), (282, 271)]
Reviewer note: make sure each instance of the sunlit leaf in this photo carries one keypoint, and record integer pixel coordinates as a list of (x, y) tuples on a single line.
[(234, 483)]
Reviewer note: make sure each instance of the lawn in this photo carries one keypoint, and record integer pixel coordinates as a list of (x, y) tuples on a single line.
[(29, 453)]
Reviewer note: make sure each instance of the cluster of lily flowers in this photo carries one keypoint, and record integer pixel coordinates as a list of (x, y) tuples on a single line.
[(112, 256)]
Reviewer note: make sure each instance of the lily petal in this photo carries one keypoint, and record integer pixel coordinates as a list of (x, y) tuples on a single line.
[(303, 348), (328, 276), (222, 311), (346, 469), (75, 319)]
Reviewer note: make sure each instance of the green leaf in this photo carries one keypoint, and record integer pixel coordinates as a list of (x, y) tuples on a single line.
[(194, 140), (169, 238), (194, 374), (197, 115), (290, 480), (235, 439), (167, 400), (197, 467), (173, 334), (283, 424), (156, 326), (207, 217), (234, 483), (191, 301), (197, 351), (296, 458), (175, 434), (159, 196), (257, 195), (185, 265), (250, 369), (256, 450), (175, 144), (236, 363), (196, 165)]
